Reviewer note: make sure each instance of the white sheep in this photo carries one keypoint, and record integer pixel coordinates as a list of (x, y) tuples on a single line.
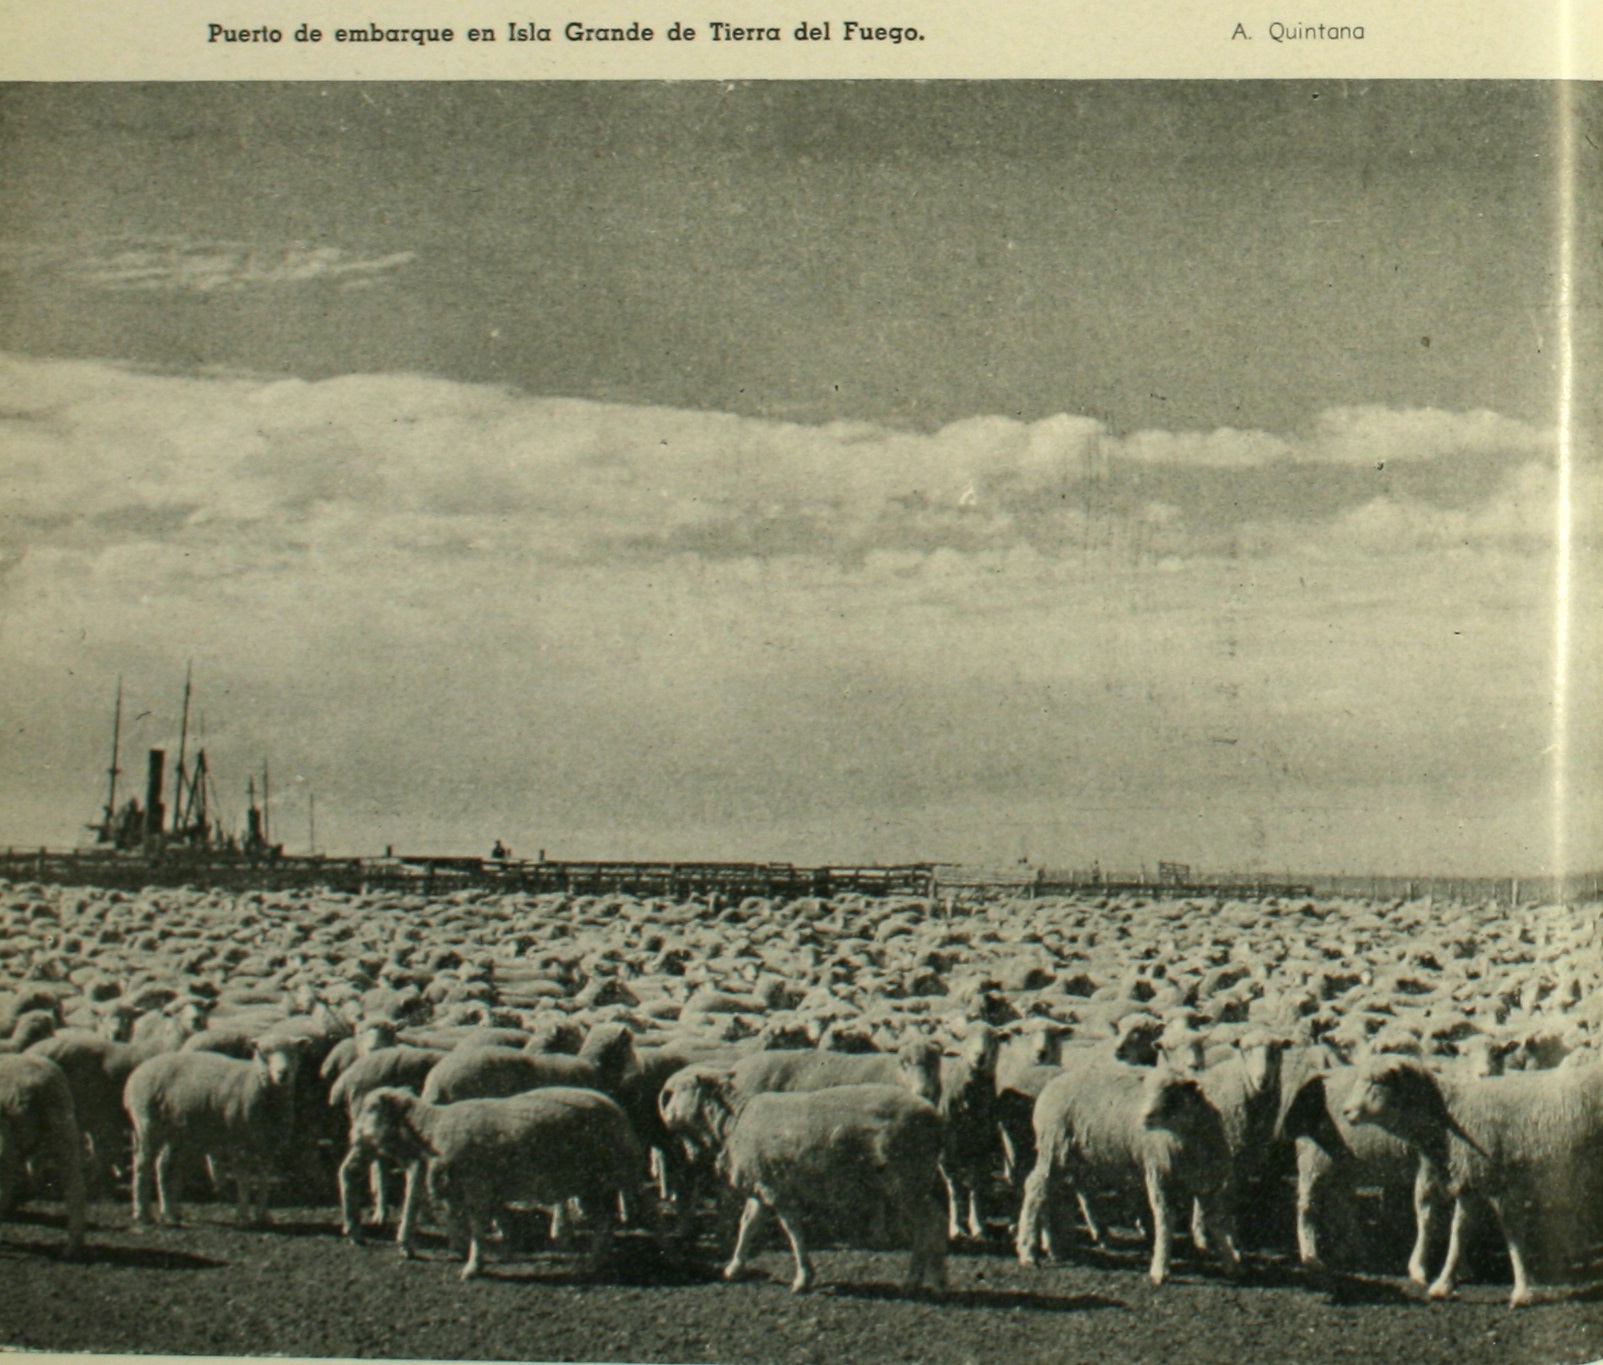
[(373, 1035), (542, 1147), (402, 1067), (32, 1026), (916, 1065), (1525, 1143), (845, 1150), (482, 1073), (1104, 1121), (1335, 1156), (968, 1109), (97, 1069), (1244, 1086), (239, 1114), (37, 1121)]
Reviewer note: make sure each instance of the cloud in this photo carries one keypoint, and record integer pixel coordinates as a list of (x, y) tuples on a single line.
[(1225, 448), (177, 265), (101, 454), (1363, 435), (638, 629)]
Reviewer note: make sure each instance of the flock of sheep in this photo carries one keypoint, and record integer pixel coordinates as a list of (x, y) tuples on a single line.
[(877, 1072)]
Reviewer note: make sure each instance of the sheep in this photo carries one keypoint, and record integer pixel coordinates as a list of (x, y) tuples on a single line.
[(480, 1073), (543, 1147), (968, 1109), (236, 1113), (1105, 1120), (1132, 1039), (30, 1000), (372, 1036), (96, 1069), (635, 1078), (555, 1034), (37, 1120), (1335, 1156), (392, 1067), (1521, 1143), (840, 1150), (164, 1030), (1245, 1088), (915, 1066), (32, 1026)]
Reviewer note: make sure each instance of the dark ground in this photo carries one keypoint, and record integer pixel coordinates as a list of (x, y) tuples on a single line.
[(298, 1289)]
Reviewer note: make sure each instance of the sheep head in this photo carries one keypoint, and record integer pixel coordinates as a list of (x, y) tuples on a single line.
[(920, 1061), (375, 1035), (554, 1035), (610, 1048), (981, 1044), (1180, 1046), (1043, 1041), (1136, 1039), (697, 1106), (1174, 1101), (1261, 1054), (1399, 1095), (382, 1124), (282, 1060), (844, 1037)]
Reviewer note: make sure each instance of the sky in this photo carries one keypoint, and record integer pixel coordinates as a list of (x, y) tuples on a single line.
[(826, 472)]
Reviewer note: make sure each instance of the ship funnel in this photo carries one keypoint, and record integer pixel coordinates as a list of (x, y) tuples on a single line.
[(155, 812)]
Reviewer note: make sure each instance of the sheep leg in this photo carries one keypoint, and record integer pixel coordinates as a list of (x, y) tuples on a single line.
[(798, 1248), (1199, 1226), (1093, 1229), (1443, 1285), (954, 1205), (350, 1216), (70, 1144), (144, 1179), (751, 1218), (600, 1242), (1027, 1241), (976, 1224), (1010, 1157), (477, 1229), (378, 1190), (10, 1171), (927, 1236), (1511, 1214), (409, 1213), (1307, 1219), (1162, 1227), (561, 1230), (1212, 1213), (1427, 1214), (164, 1183)]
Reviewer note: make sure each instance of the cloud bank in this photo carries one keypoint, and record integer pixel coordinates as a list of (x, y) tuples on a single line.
[(461, 610)]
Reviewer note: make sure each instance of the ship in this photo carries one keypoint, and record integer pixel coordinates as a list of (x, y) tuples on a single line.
[(177, 837), (143, 831), (181, 840)]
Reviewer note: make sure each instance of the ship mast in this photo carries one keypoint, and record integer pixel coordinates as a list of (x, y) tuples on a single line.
[(183, 741), (107, 834)]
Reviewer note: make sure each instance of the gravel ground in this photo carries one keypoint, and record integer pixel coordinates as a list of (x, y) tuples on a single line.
[(298, 1289)]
